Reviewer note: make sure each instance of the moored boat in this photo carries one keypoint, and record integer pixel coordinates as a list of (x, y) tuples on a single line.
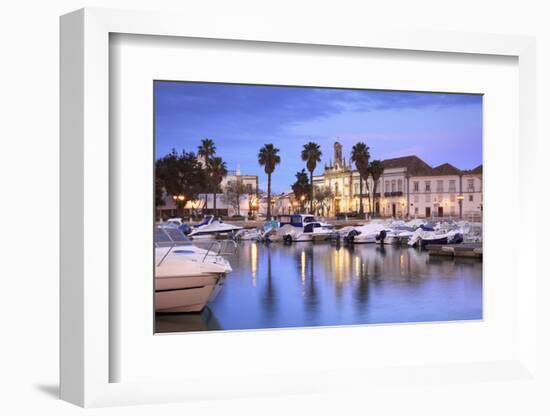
[(186, 277), (210, 228), (299, 228)]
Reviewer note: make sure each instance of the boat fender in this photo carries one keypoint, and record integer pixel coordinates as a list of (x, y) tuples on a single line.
[(287, 239)]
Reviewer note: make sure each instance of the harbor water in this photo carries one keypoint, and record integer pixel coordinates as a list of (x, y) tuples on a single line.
[(321, 284)]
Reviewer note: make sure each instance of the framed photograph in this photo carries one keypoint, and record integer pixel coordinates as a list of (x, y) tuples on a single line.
[(278, 213)]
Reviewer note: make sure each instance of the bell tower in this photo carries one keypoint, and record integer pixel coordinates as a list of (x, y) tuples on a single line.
[(337, 155)]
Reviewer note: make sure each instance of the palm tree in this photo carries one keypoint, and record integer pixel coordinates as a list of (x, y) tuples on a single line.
[(360, 156), (218, 171), (311, 154), (207, 149), (376, 170), (268, 157)]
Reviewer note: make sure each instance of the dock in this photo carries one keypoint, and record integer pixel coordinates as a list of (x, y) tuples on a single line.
[(469, 250)]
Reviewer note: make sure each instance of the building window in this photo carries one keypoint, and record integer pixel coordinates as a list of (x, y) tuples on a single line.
[(439, 198), (470, 185), (471, 198), (416, 210), (452, 185), (428, 198), (416, 199), (400, 185), (439, 186), (428, 186), (356, 187), (393, 186), (387, 186), (416, 186)]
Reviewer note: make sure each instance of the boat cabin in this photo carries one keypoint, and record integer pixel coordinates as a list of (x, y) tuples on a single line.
[(296, 220)]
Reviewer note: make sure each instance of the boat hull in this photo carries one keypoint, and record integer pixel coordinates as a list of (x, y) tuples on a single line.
[(186, 293)]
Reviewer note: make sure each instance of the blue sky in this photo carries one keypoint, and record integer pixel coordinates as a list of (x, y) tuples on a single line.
[(240, 119)]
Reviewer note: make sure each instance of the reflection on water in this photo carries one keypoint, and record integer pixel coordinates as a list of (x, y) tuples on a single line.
[(304, 284)]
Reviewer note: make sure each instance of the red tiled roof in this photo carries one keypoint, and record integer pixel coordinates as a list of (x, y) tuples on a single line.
[(477, 170), (413, 164), (446, 169)]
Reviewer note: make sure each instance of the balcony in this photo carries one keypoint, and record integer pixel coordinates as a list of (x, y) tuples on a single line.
[(390, 194)]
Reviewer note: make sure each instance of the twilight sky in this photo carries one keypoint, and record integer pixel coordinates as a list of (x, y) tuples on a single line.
[(240, 119)]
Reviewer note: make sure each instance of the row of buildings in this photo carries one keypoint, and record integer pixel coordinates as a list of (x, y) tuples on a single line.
[(408, 187), (226, 205)]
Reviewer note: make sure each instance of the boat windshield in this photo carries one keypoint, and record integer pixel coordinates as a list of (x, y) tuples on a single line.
[(166, 237), (206, 220)]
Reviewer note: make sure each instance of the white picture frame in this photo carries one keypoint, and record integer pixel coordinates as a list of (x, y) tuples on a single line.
[(86, 356)]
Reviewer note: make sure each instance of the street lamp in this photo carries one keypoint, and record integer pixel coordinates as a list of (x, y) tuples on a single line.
[(460, 198), (179, 198)]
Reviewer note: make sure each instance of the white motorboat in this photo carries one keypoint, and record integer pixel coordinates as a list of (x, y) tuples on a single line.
[(364, 234), (210, 228), (248, 234), (171, 223), (187, 277), (300, 227), (395, 235), (422, 237)]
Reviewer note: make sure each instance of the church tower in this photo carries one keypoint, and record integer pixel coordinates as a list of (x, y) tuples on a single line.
[(337, 155)]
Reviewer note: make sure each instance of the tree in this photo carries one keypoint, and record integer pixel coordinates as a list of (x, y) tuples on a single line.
[(323, 196), (301, 188), (159, 193), (180, 175), (311, 154), (233, 193), (360, 156), (207, 149), (376, 169), (268, 157), (218, 171)]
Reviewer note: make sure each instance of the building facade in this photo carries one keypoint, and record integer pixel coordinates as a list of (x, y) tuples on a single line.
[(226, 204), (408, 188)]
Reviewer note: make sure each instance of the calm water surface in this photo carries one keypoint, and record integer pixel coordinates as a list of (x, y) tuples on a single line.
[(305, 284)]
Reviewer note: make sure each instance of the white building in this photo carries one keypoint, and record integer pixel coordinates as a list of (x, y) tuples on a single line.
[(226, 204), (409, 187)]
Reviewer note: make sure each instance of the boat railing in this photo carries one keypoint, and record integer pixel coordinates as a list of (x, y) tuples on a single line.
[(221, 248), (169, 237)]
